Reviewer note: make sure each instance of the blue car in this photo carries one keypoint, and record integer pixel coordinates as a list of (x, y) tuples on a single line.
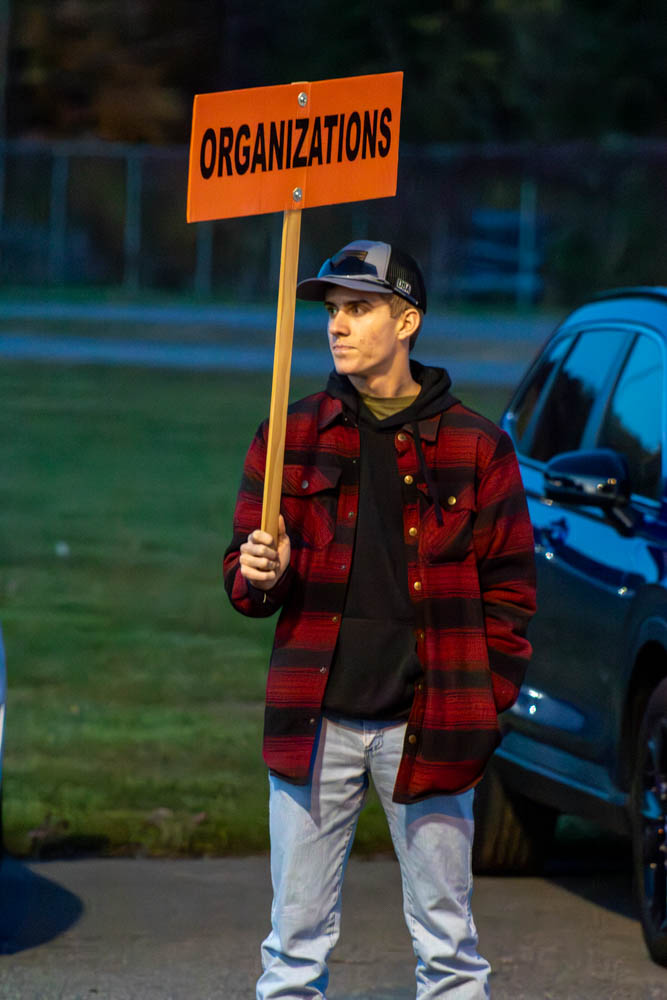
[(588, 734)]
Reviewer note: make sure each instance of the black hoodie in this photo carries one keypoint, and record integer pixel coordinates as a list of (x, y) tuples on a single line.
[(375, 664)]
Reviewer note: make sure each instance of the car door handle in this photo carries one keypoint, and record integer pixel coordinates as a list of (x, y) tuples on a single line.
[(554, 533)]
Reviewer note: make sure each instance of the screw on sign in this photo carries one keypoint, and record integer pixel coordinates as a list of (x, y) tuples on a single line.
[(283, 149)]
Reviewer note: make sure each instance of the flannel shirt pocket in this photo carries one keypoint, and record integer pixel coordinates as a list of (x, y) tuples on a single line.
[(450, 541), (309, 503)]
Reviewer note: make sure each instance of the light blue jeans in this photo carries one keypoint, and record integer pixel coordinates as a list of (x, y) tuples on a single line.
[(312, 828)]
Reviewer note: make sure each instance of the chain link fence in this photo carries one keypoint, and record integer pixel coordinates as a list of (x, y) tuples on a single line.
[(517, 223)]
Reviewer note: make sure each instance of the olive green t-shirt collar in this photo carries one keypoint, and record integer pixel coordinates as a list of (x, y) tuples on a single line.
[(386, 406)]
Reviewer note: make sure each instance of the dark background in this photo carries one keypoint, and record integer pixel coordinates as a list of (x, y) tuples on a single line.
[(491, 70), (533, 141)]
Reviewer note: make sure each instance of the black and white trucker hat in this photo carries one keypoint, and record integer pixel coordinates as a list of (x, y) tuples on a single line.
[(368, 266)]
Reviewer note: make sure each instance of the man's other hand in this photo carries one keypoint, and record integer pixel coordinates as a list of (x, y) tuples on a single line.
[(262, 564)]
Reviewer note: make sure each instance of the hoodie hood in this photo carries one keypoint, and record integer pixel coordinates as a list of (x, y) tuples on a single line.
[(433, 398)]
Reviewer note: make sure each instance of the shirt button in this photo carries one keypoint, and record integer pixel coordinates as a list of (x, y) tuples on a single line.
[(412, 532), (323, 670), (401, 436), (350, 514), (343, 566), (417, 585), (334, 619), (451, 501), (412, 738), (312, 721), (421, 635), (420, 687), (408, 480), (304, 484)]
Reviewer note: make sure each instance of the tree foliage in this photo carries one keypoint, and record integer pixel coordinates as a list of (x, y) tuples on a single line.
[(476, 70)]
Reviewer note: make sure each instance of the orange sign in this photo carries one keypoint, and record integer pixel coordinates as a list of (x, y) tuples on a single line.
[(270, 149)]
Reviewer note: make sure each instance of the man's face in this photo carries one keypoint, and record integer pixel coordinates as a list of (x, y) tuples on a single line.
[(364, 337)]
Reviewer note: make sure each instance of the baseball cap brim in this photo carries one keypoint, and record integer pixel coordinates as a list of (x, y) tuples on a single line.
[(314, 289)]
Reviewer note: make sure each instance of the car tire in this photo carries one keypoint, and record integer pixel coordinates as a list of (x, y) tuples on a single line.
[(513, 834), (648, 802)]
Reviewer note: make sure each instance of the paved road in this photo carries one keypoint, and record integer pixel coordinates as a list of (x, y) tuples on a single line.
[(467, 325), (487, 348), (189, 930)]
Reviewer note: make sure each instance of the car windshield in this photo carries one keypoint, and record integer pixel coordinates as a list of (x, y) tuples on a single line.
[(523, 410)]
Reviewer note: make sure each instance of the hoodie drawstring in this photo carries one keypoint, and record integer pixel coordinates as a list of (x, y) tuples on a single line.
[(433, 493)]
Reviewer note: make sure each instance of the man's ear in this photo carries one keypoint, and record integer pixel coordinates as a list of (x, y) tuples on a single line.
[(408, 323)]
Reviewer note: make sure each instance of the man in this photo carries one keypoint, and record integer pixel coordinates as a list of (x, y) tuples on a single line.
[(405, 575)]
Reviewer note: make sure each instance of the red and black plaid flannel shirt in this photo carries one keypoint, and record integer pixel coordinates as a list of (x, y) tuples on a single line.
[(471, 581)]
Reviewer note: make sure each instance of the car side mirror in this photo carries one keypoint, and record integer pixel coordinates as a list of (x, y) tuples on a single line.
[(597, 478)]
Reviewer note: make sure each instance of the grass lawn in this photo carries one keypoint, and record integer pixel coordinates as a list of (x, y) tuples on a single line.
[(134, 691)]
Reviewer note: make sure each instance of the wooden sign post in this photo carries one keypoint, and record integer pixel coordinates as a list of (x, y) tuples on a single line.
[(282, 362), (286, 148)]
